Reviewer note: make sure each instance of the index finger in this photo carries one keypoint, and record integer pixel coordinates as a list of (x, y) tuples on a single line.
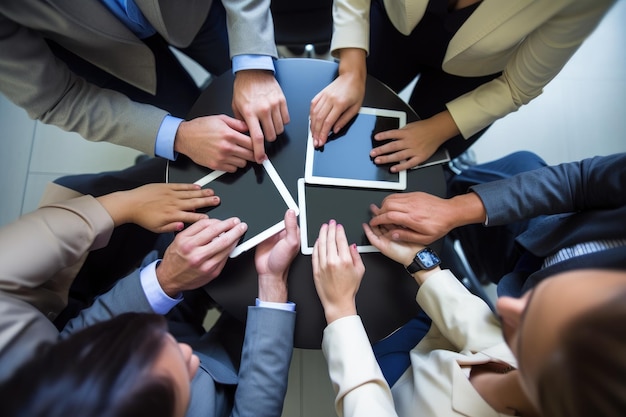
[(258, 141)]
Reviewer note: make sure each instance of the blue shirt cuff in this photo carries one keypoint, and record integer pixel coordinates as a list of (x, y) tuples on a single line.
[(247, 62), (160, 302), (288, 306), (164, 145)]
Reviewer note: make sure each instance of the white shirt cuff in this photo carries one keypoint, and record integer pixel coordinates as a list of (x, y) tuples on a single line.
[(160, 302), (288, 306)]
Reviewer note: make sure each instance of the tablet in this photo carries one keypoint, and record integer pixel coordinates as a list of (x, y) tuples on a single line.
[(257, 195), (345, 159), (321, 203)]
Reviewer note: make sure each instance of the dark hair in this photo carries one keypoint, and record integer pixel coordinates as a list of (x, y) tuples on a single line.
[(586, 375), (103, 370)]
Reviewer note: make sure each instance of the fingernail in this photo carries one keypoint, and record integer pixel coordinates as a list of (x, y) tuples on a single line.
[(236, 220)]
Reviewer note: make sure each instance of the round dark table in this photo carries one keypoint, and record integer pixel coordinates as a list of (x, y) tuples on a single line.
[(386, 298)]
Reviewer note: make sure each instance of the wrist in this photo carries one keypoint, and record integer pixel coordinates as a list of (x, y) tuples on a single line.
[(332, 313), (167, 284), (118, 207), (466, 209), (273, 288), (421, 276), (352, 62)]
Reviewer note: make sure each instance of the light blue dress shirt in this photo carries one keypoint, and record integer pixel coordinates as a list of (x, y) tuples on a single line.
[(162, 303)]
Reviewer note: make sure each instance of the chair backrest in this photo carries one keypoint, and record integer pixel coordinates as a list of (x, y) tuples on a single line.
[(298, 23)]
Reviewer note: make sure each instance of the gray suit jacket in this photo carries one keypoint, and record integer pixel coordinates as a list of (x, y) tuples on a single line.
[(41, 244), (35, 80), (585, 202)]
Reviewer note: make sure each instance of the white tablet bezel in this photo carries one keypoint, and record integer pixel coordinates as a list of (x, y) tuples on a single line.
[(305, 249), (271, 230), (310, 178)]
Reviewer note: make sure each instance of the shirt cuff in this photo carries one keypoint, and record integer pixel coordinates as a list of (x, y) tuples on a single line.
[(288, 306), (258, 62), (164, 145), (160, 302)]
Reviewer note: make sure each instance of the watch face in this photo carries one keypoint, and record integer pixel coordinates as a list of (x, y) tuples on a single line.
[(428, 258)]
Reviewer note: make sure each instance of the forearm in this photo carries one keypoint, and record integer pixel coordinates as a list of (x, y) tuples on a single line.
[(351, 25), (126, 296), (594, 183), (272, 289), (38, 250), (359, 384), (250, 17), (462, 318), (265, 359), (465, 209)]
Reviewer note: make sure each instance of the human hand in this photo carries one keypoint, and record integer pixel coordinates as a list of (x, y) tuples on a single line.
[(159, 207), (273, 257), (217, 142), (401, 252), (198, 254), (259, 101), (334, 106), (413, 217), (424, 218), (337, 272), (415, 142)]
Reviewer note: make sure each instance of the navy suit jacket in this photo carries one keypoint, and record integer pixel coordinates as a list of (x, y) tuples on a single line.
[(584, 201)]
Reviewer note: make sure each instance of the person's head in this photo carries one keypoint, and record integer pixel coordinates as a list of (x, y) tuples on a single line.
[(126, 366), (569, 338)]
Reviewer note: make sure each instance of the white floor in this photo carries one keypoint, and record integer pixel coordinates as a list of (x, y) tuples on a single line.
[(582, 113)]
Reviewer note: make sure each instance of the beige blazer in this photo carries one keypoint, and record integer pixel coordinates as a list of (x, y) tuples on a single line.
[(464, 332), (35, 80), (529, 40), (31, 294)]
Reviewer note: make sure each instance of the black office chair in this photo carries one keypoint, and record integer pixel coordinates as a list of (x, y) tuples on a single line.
[(303, 25)]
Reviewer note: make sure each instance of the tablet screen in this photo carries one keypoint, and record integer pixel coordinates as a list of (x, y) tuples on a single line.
[(255, 194), (345, 159), (349, 207)]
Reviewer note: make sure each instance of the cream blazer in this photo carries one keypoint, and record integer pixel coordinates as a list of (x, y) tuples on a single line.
[(529, 40), (464, 332)]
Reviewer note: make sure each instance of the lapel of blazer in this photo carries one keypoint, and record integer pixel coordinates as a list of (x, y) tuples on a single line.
[(488, 16), (105, 42), (177, 23)]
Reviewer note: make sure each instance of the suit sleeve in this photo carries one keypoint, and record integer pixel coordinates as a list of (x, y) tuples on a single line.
[(351, 25), (538, 59), (33, 249), (250, 27), (359, 384), (35, 80), (462, 318), (594, 183), (126, 296), (265, 360), (41, 244)]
